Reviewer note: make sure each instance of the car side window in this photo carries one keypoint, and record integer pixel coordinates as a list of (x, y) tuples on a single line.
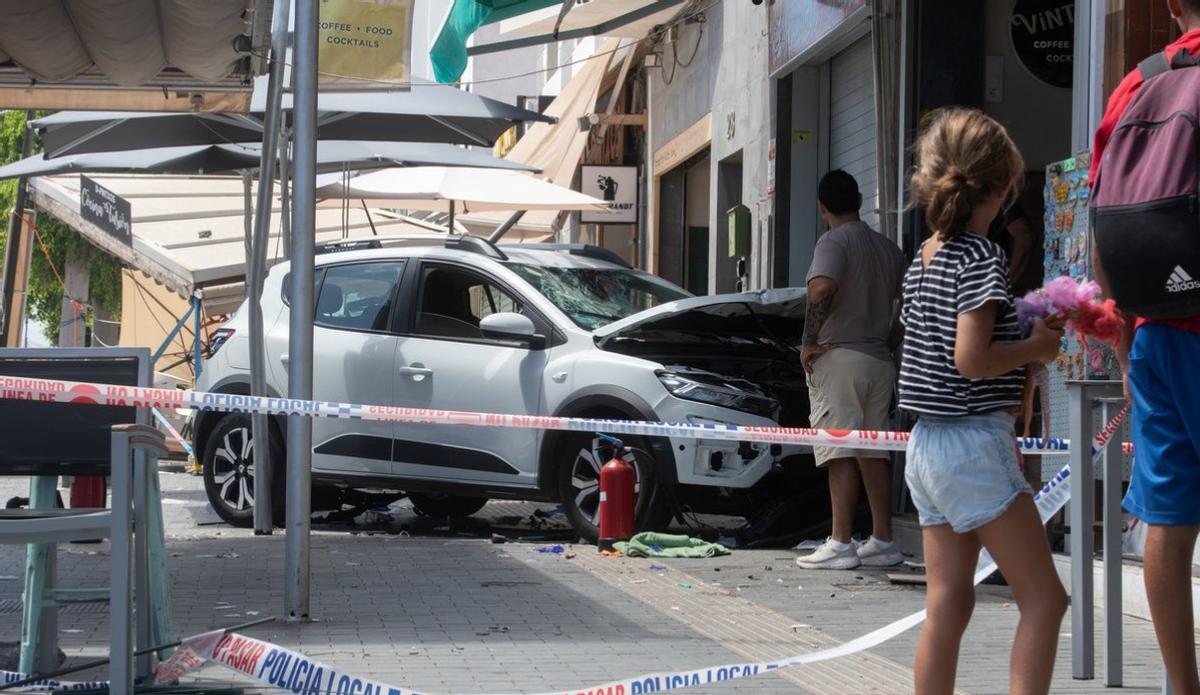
[(359, 296), (454, 301)]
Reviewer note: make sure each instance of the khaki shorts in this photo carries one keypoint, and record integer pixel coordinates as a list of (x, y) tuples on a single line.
[(850, 390)]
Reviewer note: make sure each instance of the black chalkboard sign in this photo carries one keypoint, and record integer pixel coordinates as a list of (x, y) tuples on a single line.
[(1043, 36), (47, 438), (106, 210)]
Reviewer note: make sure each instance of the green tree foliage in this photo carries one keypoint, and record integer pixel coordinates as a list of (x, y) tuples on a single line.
[(45, 289)]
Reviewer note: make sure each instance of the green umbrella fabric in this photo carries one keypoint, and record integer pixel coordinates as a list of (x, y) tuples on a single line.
[(449, 52)]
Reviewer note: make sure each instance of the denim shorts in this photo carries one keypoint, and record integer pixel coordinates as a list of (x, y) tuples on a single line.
[(963, 471)]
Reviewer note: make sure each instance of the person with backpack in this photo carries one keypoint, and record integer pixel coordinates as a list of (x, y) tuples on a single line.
[(962, 374), (1146, 250)]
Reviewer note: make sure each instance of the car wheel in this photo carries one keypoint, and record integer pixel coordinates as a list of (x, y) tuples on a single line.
[(440, 505), (581, 458), (229, 470)]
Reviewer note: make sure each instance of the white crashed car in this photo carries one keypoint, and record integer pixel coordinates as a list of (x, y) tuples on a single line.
[(523, 329)]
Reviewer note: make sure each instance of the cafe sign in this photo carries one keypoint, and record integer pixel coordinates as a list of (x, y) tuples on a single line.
[(105, 209), (365, 40), (615, 185), (1043, 37)]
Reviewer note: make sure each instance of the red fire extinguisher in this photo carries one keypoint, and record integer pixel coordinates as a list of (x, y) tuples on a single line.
[(88, 492), (616, 498)]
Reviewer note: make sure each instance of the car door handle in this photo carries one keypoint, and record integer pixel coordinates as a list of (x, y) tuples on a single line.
[(284, 359), (417, 372)]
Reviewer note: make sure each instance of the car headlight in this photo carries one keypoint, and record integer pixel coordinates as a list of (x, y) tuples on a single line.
[(715, 390)]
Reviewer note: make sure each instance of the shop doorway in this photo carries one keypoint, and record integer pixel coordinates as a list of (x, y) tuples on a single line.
[(683, 238)]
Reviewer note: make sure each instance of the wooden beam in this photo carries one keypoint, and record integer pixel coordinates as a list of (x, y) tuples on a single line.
[(618, 119), (17, 307), (679, 150)]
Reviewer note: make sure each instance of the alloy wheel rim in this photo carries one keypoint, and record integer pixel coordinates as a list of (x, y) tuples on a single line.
[(233, 470), (585, 481)]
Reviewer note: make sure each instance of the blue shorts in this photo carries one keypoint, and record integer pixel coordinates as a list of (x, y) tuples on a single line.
[(1164, 381), (963, 471)]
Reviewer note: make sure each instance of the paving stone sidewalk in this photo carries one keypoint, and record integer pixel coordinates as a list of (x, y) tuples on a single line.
[(451, 614)]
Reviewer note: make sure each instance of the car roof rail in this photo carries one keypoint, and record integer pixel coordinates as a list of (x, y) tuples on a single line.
[(598, 253), (475, 244), (374, 242)]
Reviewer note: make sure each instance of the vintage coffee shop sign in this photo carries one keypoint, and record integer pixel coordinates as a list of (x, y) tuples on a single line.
[(1043, 37)]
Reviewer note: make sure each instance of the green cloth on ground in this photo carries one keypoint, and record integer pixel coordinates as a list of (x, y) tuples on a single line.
[(651, 544)]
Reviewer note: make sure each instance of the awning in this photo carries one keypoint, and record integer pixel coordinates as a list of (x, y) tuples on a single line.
[(429, 114), (189, 231), (444, 189), (177, 48), (556, 148), (332, 155), (593, 15), (540, 22)]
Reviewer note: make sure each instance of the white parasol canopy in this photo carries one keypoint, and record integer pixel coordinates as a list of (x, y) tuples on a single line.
[(452, 189)]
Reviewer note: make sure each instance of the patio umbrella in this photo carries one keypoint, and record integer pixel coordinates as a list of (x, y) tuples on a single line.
[(427, 113), (332, 155), (445, 189)]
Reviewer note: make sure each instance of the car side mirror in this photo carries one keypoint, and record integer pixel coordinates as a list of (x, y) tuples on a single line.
[(511, 326)]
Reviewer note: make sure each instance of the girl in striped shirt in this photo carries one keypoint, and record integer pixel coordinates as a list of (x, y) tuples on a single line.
[(962, 374)]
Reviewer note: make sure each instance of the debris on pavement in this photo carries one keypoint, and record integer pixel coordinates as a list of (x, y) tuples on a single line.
[(499, 539)]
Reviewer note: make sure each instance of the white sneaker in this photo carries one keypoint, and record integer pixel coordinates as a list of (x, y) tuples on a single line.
[(876, 553), (827, 557)]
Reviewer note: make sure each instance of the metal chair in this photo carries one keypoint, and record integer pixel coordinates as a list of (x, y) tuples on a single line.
[(134, 525)]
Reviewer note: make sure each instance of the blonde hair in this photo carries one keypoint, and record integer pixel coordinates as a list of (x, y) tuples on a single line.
[(963, 157)]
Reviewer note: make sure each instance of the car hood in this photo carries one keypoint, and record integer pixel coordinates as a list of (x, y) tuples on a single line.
[(770, 321)]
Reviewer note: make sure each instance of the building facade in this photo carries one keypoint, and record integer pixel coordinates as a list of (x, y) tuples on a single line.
[(750, 104)]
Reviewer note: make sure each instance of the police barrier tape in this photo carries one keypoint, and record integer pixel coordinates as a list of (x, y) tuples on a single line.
[(48, 684), (292, 671), (142, 397), (289, 670)]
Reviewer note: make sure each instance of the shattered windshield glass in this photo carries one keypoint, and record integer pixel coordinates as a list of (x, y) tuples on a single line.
[(595, 297)]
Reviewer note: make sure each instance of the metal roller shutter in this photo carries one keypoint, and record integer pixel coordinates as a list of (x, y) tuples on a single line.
[(852, 122)]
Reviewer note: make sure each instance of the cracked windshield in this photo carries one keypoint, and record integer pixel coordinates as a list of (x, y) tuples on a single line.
[(594, 297)]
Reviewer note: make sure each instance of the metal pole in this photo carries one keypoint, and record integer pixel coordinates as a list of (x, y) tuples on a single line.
[(256, 269), (451, 224), (1082, 517), (300, 341), (12, 256), (197, 322), (285, 193), (1113, 460), (248, 224), (506, 225)]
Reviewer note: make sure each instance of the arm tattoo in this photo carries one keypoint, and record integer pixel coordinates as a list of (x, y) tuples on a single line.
[(815, 315)]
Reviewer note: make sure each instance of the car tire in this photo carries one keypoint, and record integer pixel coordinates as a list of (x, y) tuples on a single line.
[(441, 506), (579, 484), (228, 470)]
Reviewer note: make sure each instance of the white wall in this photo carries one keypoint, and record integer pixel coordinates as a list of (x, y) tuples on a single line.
[(428, 16), (1037, 115), (727, 77)]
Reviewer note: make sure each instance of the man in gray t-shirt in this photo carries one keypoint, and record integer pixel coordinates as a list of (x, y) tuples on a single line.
[(853, 291)]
